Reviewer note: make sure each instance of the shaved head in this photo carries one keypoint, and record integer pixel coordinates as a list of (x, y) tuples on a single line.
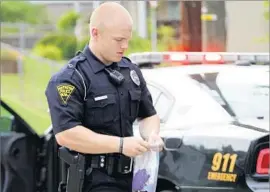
[(110, 31), (110, 14)]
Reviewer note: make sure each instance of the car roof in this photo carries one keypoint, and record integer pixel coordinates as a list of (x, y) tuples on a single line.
[(166, 75)]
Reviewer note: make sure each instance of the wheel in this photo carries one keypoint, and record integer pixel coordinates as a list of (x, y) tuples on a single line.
[(167, 191)]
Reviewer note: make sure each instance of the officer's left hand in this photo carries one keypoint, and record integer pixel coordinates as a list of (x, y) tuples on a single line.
[(156, 142)]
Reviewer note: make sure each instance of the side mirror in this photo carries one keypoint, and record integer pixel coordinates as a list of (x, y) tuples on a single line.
[(172, 144)]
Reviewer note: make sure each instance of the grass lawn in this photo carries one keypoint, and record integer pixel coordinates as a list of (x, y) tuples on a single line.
[(26, 93), (5, 120)]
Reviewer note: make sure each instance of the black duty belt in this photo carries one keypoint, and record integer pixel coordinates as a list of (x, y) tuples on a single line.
[(112, 164)]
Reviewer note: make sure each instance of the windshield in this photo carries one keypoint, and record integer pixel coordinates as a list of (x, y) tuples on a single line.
[(194, 104), (247, 94)]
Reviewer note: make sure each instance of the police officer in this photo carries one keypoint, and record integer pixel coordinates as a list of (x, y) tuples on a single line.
[(95, 99)]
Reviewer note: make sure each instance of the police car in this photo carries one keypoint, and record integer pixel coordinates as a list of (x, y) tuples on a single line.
[(214, 120), (206, 147)]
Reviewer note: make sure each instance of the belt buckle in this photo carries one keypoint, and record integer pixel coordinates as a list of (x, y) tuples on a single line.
[(129, 169)]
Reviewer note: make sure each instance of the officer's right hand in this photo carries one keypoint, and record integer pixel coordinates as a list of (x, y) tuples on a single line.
[(133, 146)]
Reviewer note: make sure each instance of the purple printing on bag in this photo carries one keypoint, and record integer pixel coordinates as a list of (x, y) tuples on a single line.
[(140, 179)]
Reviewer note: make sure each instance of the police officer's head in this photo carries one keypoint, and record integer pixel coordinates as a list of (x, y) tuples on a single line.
[(110, 31)]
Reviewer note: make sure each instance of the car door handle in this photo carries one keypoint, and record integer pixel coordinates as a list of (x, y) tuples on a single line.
[(172, 143)]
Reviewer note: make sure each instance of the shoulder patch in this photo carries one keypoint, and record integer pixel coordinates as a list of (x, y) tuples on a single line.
[(65, 91)]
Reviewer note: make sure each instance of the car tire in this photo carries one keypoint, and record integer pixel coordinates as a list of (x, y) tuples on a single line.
[(167, 191)]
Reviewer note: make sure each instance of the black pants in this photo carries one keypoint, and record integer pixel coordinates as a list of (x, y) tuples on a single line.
[(100, 181)]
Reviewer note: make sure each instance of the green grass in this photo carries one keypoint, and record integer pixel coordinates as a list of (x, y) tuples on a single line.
[(4, 112), (5, 120), (26, 93)]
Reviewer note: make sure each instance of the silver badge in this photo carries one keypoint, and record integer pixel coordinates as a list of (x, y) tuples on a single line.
[(135, 77)]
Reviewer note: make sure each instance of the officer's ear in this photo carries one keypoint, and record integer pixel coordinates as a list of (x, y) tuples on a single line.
[(94, 33)]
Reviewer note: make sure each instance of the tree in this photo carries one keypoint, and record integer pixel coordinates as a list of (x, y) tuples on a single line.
[(22, 11), (67, 22), (166, 34)]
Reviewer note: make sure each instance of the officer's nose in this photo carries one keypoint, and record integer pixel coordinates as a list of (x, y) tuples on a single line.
[(124, 45)]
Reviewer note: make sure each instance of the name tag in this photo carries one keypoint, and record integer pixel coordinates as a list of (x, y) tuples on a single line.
[(101, 98)]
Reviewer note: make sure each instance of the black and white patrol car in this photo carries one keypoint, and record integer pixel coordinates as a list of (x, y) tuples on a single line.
[(215, 121)]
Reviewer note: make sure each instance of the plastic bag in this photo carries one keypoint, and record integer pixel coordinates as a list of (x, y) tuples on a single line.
[(145, 172)]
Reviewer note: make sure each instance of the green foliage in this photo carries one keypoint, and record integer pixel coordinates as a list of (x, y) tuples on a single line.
[(38, 119), (81, 44), (5, 124), (67, 43), (149, 27), (22, 11), (67, 22), (5, 120), (49, 51), (138, 44), (266, 12), (25, 93), (166, 35), (9, 30), (265, 38)]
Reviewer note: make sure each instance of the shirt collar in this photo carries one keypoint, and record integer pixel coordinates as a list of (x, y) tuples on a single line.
[(95, 62)]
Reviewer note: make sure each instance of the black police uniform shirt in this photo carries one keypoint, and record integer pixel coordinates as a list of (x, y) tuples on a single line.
[(82, 94)]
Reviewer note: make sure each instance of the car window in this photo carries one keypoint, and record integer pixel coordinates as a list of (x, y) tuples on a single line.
[(193, 104), (248, 101), (155, 92), (196, 105), (5, 120), (248, 97), (163, 106), (161, 100)]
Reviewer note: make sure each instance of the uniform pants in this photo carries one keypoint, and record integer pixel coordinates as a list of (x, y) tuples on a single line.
[(100, 181)]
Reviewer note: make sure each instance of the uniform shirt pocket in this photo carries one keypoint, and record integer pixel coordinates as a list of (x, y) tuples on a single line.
[(135, 98), (101, 110)]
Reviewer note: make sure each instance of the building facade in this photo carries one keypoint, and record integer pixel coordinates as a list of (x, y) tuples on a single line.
[(246, 26)]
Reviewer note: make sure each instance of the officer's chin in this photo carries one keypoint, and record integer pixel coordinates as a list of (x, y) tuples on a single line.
[(117, 59)]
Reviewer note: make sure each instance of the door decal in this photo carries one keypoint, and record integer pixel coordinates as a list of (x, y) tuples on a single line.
[(223, 167)]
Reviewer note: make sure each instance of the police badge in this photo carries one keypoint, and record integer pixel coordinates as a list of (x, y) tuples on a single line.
[(134, 77)]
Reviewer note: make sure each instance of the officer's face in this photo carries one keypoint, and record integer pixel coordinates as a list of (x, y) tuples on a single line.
[(113, 41)]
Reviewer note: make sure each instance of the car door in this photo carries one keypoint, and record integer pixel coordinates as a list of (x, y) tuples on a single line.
[(210, 151), (162, 101), (27, 159)]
